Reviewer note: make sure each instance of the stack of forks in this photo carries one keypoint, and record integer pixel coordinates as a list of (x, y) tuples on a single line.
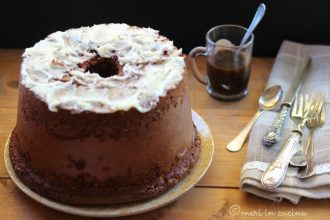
[(309, 110)]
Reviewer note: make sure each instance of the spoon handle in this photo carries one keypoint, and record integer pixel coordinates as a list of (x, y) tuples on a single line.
[(237, 143), (275, 132), (256, 19)]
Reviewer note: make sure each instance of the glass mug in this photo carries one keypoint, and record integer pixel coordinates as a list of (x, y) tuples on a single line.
[(228, 62)]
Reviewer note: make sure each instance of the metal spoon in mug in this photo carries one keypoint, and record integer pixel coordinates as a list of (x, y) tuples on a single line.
[(268, 100), (256, 19)]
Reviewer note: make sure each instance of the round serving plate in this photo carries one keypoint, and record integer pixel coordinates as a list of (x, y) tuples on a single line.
[(203, 163)]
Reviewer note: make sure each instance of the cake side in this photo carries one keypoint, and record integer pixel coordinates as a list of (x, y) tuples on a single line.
[(84, 190)]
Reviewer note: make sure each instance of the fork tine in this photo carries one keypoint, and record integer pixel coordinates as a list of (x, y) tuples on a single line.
[(321, 106), (322, 101), (323, 113), (318, 104), (295, 105), (301, 105), (313, 102)]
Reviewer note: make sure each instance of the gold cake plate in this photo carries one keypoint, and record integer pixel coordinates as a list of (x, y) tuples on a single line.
[(203, 163)]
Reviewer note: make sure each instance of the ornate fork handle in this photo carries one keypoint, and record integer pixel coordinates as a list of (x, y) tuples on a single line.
[(275, 173), (275, 132)]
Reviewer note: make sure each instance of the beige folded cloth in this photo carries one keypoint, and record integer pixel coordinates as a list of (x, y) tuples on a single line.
[(289, 61)]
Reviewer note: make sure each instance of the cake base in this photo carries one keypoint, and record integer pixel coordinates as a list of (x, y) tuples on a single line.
[(202, 164), (85, 191)]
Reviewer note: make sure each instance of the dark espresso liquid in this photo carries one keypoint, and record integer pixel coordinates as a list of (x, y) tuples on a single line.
[(228, 73)]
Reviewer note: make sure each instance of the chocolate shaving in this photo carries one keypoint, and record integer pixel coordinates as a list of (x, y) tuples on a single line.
[(56, 62)]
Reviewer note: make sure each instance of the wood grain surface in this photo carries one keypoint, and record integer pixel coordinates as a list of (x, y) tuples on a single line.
[(216, 196)]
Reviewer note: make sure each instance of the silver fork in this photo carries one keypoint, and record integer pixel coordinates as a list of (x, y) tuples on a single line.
[(303, 109), (299, 158), (313, 124)]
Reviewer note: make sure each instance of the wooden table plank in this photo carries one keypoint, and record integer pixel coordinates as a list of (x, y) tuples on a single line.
[(10, 61), (7, 123), (199, 203)]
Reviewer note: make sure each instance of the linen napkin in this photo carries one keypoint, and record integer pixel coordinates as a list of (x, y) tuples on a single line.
[(289, 61)]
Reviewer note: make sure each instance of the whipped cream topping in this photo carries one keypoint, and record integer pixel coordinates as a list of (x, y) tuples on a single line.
[(150, 66)]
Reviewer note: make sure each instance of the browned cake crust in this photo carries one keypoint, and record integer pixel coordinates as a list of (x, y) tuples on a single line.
[(84, 189), (89, 158)]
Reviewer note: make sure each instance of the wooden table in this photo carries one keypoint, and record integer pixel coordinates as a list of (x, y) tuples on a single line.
[(215, 195)]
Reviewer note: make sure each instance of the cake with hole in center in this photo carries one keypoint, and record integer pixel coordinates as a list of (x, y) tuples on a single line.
[(103, 116)]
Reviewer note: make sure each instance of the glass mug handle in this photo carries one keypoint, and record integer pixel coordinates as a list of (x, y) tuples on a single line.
[(197, 51)]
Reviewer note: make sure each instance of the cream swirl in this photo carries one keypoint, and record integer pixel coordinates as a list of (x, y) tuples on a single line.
[(150, 65)]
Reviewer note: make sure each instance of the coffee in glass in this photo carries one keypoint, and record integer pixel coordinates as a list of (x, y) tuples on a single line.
[(228, 65)]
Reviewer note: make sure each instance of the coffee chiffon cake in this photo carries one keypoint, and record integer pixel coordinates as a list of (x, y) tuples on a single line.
[(103, 116)]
